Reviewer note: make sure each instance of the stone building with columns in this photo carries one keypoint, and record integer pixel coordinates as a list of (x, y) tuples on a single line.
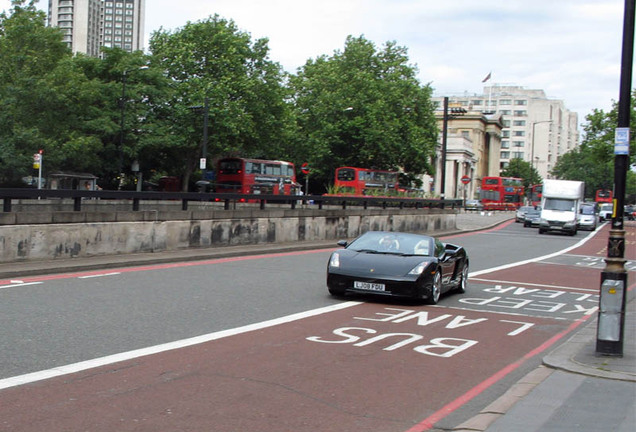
[(473, 146)]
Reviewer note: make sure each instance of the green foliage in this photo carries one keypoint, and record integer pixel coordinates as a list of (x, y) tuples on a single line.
[(247, 112), (522, 169), (363, 107), (30, 53), (593, 161)]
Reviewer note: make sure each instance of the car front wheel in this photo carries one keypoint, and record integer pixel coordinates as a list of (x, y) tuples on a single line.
[(436, 289), (463, 282)]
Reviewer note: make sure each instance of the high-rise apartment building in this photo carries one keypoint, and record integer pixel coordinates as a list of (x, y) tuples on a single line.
[(536, 129), (90, 24)]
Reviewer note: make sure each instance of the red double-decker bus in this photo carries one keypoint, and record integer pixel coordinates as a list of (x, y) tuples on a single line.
[(501, 193), (364, 181), (536, 194), (603, 196), (256, 176)]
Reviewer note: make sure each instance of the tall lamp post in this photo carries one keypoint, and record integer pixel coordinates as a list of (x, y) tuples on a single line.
[(610, 333), (204, 150), (122, 107), (534, 124)]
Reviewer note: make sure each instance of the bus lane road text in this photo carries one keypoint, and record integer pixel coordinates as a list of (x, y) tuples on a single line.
[(434, 333), (526, 300)]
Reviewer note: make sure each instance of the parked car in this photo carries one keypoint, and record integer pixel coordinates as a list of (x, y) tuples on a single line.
[(532, 217), (399, 265), (630, 212), (605, 212), (588, 217), (473, 205), (521, 211)]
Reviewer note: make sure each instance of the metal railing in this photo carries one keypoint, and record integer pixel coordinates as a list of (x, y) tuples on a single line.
[(315, 201)]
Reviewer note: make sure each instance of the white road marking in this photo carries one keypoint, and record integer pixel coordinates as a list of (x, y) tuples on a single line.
[(19, 284), (99, 275), (102, 361), (533, 260)]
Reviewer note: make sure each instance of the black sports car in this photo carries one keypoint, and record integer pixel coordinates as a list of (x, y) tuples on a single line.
[(398, 264)]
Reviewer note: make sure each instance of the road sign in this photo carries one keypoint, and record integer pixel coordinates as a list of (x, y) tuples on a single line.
[(465, 179), (305, 168)]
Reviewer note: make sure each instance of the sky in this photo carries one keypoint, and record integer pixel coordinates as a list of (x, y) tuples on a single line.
[(571, 49)]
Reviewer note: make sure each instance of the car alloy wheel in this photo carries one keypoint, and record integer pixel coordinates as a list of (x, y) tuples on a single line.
[(463, 283), (436, 289)]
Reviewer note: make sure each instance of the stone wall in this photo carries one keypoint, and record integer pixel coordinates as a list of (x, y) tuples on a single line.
[(81, 234)]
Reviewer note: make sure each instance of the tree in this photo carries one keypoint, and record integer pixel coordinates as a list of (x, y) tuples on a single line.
[(522, 169), (213, 60), (52, 101), (363, 107), (593, 161), (30, 53)]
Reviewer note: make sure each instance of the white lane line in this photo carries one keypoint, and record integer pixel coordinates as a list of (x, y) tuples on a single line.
[(19, 284), (99, 275), (533, 260), (102, 361)]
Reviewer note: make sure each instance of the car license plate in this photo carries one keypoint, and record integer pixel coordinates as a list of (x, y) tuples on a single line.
[(368, 286)]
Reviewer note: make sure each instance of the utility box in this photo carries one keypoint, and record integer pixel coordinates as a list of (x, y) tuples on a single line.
[(610, 312)]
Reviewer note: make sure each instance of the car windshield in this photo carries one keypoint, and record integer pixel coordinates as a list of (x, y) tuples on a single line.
[(587, 210), (393, 243), (559, 204)]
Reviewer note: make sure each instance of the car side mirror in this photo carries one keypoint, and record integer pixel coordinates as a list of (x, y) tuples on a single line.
[(342, 243)]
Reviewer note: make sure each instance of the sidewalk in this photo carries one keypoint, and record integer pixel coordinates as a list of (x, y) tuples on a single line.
[(574, 391)]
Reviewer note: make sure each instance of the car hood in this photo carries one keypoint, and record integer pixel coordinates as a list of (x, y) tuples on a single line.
[(380, 264)]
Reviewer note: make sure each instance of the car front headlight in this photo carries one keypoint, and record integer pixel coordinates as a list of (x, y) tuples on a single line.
[(334, 261), (419, 269)]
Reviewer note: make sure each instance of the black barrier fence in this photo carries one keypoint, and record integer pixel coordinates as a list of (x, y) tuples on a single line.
[(314, 201)]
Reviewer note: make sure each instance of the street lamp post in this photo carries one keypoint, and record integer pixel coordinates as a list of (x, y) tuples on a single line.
[(610, 332), (534, 124), (204, 150), (122, 107)]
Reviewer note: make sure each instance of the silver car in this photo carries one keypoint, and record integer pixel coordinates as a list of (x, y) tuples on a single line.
[(473, 205), (521, 213), (588, 217)]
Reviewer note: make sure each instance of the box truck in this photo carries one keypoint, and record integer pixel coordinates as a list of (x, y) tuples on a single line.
[(560, 205)]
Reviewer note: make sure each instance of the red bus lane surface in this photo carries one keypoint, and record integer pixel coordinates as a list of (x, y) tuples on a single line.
[(363, 367)]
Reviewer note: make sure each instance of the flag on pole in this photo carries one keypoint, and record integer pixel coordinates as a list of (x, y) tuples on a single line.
[(487, 77)]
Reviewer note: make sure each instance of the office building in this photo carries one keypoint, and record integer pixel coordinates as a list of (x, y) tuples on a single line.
[(88, 25), (536, 129)]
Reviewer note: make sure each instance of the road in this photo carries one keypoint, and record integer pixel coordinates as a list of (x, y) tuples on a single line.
[(256, 343)]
